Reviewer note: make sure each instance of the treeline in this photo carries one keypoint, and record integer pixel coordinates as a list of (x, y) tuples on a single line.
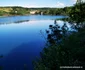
[(53, 11), (7, 11)]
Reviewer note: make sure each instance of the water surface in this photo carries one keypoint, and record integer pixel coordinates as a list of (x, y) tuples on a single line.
[(21, 43)]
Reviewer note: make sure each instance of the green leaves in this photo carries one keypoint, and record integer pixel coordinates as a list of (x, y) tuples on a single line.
[(77, 13), (69, 52), (63, 49)]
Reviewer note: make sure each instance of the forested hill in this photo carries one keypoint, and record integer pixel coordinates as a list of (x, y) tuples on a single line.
[(8, 11)]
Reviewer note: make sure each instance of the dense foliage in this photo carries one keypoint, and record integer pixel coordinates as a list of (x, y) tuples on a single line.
[(70, 51), (77, 13), (53, 11), (65, 48)]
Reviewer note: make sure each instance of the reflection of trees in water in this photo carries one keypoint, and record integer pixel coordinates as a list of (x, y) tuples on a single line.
[(15, 22)]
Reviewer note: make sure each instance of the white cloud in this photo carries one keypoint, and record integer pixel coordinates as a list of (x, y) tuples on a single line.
[(38, 6), (31, 5), (74, 1), (59, 5), (34, 5)]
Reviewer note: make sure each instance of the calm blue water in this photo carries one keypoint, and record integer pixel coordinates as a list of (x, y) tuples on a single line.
[(21, 43)]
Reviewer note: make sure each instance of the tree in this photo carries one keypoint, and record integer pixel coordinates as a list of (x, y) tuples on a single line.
[(77, 13), (64, 49)]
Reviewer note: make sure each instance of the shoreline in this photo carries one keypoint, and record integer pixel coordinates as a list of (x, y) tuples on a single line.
[(31, 15)]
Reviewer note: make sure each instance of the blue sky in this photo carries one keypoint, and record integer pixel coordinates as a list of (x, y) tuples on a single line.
[(37, 3)]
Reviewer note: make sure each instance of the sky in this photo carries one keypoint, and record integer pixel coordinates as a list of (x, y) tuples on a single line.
[(37, 3)]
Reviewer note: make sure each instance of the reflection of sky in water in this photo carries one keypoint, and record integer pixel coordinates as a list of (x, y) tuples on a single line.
[(21, 43), (12, 35), (4, 20)]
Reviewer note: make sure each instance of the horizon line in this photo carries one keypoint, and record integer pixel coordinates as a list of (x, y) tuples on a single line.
[(34, 7)]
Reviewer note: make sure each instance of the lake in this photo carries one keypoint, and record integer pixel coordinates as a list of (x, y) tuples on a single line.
[(21, 39)]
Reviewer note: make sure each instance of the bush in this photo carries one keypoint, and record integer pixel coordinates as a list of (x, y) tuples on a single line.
[(62, 50)]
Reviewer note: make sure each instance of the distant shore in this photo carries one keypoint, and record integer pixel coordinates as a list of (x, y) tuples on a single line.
[(20, 11)]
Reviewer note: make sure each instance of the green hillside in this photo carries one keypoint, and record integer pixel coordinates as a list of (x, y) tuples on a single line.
[(9, 11)]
